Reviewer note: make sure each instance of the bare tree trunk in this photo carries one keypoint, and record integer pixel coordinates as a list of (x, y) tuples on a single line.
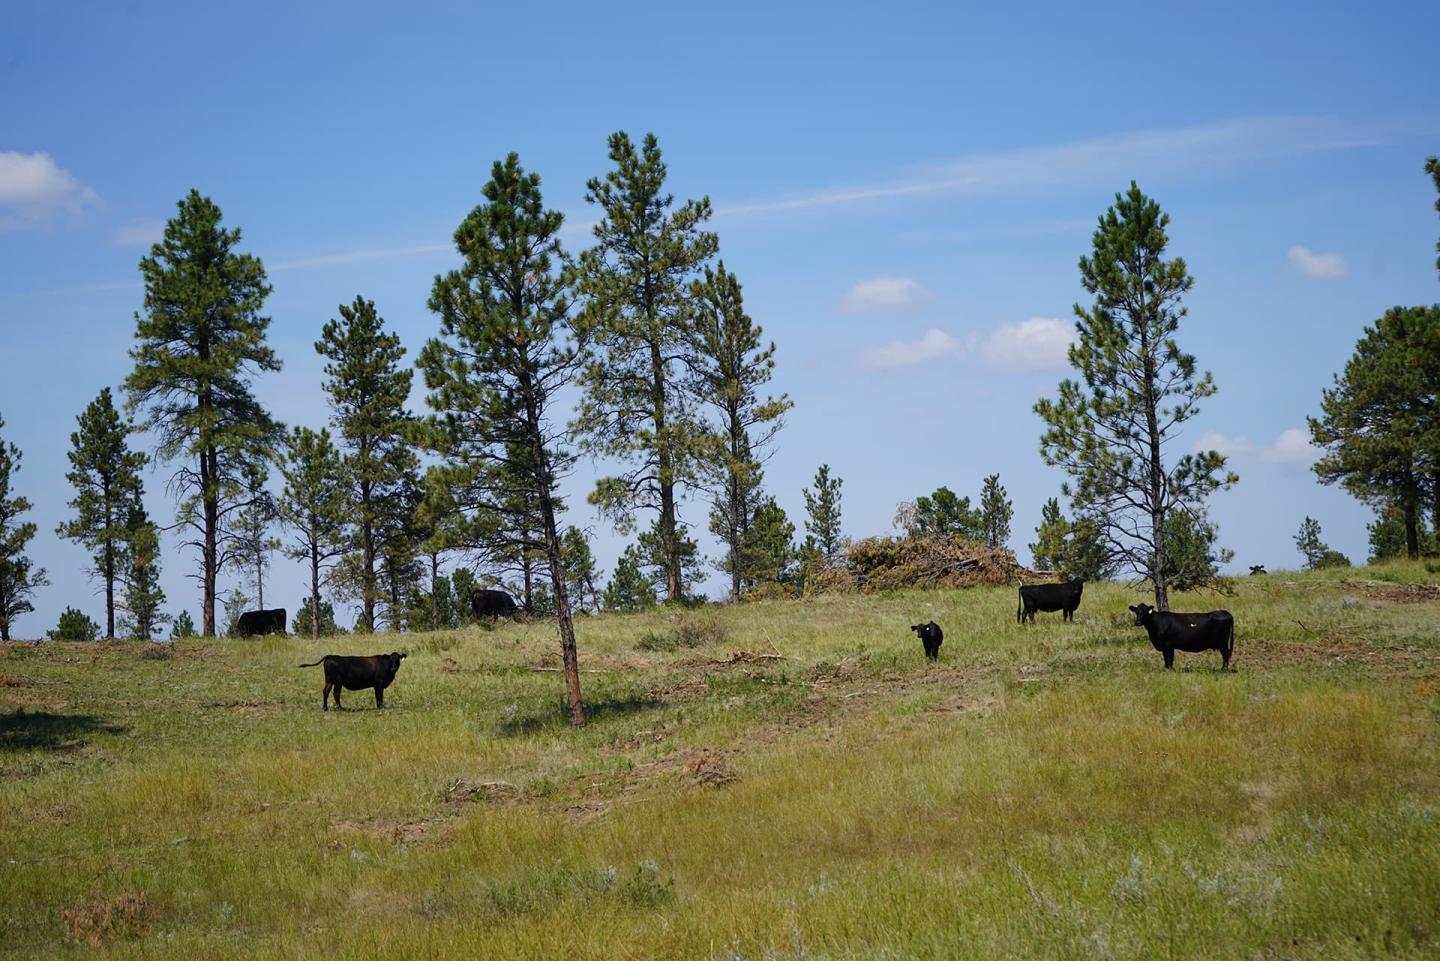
[(210, 497), (1412, 526), (109, 563), (314, 592)]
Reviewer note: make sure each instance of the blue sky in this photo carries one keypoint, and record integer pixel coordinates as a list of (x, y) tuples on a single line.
[(904, 191)]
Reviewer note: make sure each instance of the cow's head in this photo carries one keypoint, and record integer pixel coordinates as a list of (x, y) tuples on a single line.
[(395, 657), (922, 629), (1142, 613)]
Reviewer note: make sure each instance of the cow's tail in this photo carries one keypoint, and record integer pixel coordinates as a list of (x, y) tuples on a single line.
[(321, 661)]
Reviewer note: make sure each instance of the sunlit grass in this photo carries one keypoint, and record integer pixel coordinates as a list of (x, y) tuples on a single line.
[(1044, 791)]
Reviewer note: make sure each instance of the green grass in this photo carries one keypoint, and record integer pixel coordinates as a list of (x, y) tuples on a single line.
[(779, 780)]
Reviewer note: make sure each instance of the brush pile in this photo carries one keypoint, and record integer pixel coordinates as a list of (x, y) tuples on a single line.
[(920, 561)]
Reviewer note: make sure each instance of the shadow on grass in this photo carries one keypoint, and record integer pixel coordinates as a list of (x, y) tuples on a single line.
[(557, 714), (43, 731)]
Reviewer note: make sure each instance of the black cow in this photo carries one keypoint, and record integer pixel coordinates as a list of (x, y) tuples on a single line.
[(1257, 569), (253, 623), (356, 674), (491, 603), (930, 635), (1049, 598), (1171, 631)]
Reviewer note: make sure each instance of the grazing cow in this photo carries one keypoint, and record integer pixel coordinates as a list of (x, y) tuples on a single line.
[(1171, 631), (491, 603), (1256, 569), (356, 674), (253, 623), (1049, 598), (930, 635)]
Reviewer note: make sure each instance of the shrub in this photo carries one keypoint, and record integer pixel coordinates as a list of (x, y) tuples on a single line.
[(74, 626), (98, 921)]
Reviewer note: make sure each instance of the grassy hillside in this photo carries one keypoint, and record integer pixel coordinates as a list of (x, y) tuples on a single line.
[(798, 784)]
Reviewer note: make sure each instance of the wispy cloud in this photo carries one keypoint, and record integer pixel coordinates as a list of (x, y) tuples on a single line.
[(1292, 446), (1317, 266), (884, 293), (34, 189), (1036, 344), (358, 256), (1109, 160), (903, 353), (141, 233)]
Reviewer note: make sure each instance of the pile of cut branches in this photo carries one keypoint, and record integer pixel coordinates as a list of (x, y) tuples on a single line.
[(920, 561)]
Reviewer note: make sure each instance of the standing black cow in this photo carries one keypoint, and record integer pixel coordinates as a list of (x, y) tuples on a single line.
[(1171, 631), (930, 635), (1257, 569), (252, 623), (1049, 598), (491, 603), (356, 674)]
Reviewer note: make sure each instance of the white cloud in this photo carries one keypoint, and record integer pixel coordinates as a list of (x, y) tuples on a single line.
[(141, 233), (903, 353), (33, 189), (1034, 344), (1291, 447), (1317, 266), (1110, 160), (884, 293)]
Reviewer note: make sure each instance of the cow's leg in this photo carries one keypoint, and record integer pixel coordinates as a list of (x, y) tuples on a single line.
[(379, 697), (325, 698), (1169, 658), (338, 705), (1225, 653)]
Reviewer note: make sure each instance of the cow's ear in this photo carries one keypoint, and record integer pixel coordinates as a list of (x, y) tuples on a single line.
[(1134, 609)]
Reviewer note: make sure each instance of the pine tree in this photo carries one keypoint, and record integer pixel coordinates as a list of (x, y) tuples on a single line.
[(823, 507), (731, 365), (1193, 555), (368, 390), (140, 566), (74, 626), (1137, 389), (235, 604), (1380, 423), (199, 342), (942, 513), (1308, 542), (636, 282), (580, 573), (768, 552), (629, 589), (496, 369), (1071, 549), (324, 626), (400, 538), (442, 530), (655, 560), (105, 474), (18, 578), (248, 540), (996, 511), (1048, 551), (314, 507), (182, 627)]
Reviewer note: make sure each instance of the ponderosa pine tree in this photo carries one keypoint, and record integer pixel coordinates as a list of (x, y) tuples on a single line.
[(248, 541), (1070, 548), (19, 579), (636, 282), (198, 344), (314, 507), (580, 573), (74, 625), (182, 627), (768, 550), (996, 512), (495, 371), (942, 512), (629, 589), (1380, 424), (139, 558), (822, 528), (368, 390), (105, 474), (442, 530), (1137, 390), (731, 365)]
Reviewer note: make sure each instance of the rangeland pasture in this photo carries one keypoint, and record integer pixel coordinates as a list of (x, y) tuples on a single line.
[(778, 780)]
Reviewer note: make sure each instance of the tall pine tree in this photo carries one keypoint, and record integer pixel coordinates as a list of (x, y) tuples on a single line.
[(315, 508), (731, 365), (636, 281), (19, 579), (996, 512), (1137, 390), (140, 573), (105, 474), (368, 390), (823, 507), (198, 344), (495, 372)]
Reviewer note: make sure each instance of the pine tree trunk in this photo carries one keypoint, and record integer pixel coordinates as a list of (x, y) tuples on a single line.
[(1156, 491), (109, 562), (314, 591), (569, 655), (367, 560), (210, 495), (1435, 509), (1412, 526)]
